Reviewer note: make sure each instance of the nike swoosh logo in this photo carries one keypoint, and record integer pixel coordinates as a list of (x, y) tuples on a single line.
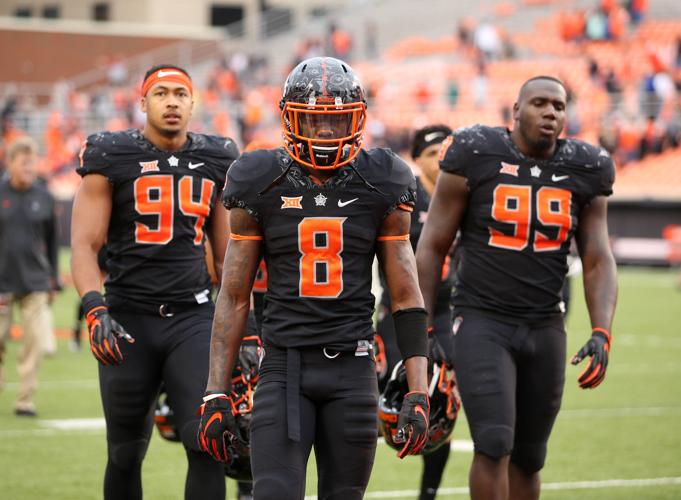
[(343, 203), (556, 178), (162, 73), (194, 165)]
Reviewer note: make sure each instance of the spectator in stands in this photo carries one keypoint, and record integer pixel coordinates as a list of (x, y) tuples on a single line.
[(339, 42), (637, 10), (614, 89), (487, 40), (29, 273), (618, 21), (480, 85), (596, 25)]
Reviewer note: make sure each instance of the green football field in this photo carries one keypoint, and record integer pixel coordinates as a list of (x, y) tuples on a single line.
[(620, 441)]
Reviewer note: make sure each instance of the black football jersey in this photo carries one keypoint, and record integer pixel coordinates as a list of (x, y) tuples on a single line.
[(162, 201), (521, 216), (418, 219), (319, 241)]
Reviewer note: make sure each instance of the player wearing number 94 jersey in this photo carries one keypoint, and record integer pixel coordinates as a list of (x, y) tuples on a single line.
[(154, 197), (319, 210), (518, 198)]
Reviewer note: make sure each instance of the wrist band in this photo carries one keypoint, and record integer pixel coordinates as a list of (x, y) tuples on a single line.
[(604, 332), (214, 396)]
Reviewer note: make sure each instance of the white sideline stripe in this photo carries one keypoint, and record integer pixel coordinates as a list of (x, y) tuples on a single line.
[(457, 445), (576, 485), (61, 384), (69, 424)]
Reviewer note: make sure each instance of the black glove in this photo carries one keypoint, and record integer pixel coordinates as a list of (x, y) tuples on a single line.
[(103, 330), (598, 347), (218, 432), (412, 423), (249, 356)]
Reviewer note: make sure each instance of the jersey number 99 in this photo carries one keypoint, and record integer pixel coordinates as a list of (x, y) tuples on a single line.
[(513, 205)]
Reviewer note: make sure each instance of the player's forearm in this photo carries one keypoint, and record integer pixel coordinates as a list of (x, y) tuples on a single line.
[(229, 325), (600, 288), (429, 266), (417, 375), (85, 269)]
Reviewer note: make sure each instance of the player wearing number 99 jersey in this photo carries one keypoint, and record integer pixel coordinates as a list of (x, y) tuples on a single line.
[(154, 197), (518, 198), (318, 210)]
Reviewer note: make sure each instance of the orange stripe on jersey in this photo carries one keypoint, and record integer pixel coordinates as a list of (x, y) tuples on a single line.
[(401, 237), (405, 207), (241, 237)]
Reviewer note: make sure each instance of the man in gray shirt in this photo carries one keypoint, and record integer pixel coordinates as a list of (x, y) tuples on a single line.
[(28, 265)]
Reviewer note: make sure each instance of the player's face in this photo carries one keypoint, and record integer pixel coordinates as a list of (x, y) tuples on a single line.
[(23, 169), (428, 161), (540, 114), (325, 125), (168, 107)]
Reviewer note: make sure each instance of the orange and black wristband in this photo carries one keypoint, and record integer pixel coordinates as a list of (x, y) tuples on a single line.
[(603, 331)]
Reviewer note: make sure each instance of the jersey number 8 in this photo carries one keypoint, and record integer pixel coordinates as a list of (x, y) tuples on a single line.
[(320, 243)]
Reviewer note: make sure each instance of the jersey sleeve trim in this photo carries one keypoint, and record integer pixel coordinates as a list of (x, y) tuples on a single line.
[(406, 207), (243, 237), (400, 237)]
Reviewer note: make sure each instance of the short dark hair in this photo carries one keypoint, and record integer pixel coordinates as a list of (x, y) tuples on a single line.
[(155, 68), (427, 136), (541, 77)]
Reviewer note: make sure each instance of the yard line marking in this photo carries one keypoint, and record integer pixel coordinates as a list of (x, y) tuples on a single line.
[(457, 445), (62, 384), (576, 485), (68, 424), (10, 433)]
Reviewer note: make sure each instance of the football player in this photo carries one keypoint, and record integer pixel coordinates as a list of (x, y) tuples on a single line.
[(154, 196), (519, 197), (319, 209), (425, 151)]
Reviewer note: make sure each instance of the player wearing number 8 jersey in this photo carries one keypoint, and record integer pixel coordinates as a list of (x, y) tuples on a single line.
[(154, 197), (318, 210), (518, 198)]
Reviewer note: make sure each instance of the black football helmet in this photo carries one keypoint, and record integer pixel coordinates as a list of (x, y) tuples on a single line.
[(444, 406), (323, 113), (243, 387), (164, 418)]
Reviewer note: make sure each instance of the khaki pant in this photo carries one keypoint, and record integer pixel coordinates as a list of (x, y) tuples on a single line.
[(38, 339)]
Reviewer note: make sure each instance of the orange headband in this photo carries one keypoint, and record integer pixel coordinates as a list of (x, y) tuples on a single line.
[(166, 75)]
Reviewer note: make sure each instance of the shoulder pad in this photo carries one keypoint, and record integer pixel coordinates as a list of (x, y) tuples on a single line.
[(459, 148), (251, 173), (97, 150), (390, 175), (215, 146), (593, 161)]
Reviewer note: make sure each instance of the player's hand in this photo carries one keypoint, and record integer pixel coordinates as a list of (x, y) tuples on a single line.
[(104, 331), (412, 423), (598, 347), (249, 356), (218, 433)]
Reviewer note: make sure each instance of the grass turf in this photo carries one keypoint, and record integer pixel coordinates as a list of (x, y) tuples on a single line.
[(626, 429)]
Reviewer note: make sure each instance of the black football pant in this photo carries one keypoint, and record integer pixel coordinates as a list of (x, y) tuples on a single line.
[(511, 378), (434, 463), (336, 406), (169, 350)]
